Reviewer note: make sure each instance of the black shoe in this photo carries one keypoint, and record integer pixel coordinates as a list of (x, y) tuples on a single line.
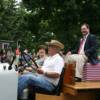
[(77, 79)]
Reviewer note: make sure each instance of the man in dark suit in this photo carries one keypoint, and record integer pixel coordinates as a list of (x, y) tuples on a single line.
[(86, 51)]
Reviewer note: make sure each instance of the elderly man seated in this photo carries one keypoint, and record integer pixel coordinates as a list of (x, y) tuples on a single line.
[(48, 75)]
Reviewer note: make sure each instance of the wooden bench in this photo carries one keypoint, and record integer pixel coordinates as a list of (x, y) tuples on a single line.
[(79, 91), (73, 90), (81, 87)]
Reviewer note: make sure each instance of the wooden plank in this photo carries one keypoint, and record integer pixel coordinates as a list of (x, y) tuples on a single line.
[(69, 74), (69, 90), (79, 91), (84, 85), (50, 97), (80, 96), (81, 87)]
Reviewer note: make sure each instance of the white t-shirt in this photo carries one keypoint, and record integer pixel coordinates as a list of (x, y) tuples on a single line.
[(53, 64)]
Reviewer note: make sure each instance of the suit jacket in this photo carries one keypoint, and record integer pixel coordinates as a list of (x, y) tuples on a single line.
[(90, 49)]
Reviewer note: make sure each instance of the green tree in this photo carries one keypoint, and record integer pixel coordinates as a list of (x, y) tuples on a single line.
[(34, 21)]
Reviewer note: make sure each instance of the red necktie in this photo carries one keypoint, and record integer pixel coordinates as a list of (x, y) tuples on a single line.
[(81, 43)]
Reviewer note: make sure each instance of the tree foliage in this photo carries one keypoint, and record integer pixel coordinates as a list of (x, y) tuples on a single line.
[(36, 21)]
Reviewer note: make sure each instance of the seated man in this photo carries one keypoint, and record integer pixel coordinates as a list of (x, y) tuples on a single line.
[(48, 75), (86, 51)]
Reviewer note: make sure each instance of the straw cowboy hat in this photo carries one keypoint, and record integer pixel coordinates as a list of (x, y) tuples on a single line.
[(55, 43)]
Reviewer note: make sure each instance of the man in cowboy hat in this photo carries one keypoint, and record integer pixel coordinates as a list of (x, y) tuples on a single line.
[(48, 75)]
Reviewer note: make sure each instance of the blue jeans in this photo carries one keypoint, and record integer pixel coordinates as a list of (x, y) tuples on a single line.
[(34, 80)]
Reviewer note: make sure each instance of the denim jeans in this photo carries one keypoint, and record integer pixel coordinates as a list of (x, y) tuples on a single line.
[(34, 80)]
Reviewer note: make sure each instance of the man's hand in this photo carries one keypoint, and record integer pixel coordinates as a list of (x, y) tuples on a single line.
[(68, 53), (40, 71), (48, 74), (29, 69)]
